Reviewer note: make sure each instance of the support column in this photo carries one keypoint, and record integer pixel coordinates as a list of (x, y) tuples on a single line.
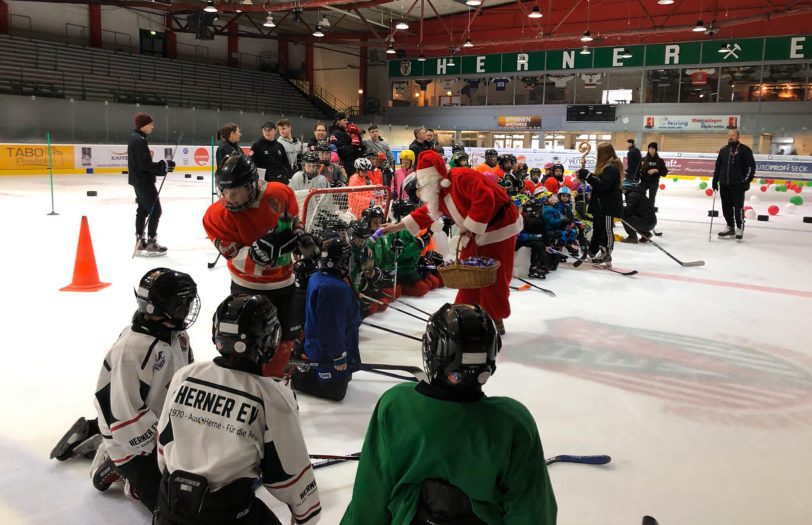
[(95, 25), (282, 56), (362, 76), (310, 67), (4, 23), (233, 46), (171, 37)]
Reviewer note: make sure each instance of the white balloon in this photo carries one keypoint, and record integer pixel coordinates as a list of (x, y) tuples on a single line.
[(754, 198), (750, 213), (790, 208)]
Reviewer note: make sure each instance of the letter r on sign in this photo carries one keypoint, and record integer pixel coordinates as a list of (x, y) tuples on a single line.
[(671, 54), (522, 62)]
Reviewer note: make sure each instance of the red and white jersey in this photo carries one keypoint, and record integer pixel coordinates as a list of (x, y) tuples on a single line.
[(131, 388), (233, 233), (226, 424), (475, 203)]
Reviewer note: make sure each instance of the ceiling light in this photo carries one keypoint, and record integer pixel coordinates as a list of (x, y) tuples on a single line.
[(700, 27), (210, 8), (535, 13), (587, 37), (724, 48), (269, 22), (585, 51), (318, 32), (448, 93), (402, 25), (390, 50), (473, 3), (468, 43), (665, 2), (421, 58), (360, 91)]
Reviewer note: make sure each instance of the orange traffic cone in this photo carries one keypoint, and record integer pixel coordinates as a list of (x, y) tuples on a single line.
[(85, 273)]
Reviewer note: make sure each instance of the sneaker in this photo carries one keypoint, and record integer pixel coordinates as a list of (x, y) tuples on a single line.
[(729, 232), (78, 433), (630, 240), (739, 233), (103, 472), (500, 326)]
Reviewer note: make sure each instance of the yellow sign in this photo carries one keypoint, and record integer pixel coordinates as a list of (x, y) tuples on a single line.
[(24, 158), (520, 122)]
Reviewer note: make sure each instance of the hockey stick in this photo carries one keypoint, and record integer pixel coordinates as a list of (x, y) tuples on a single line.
[(539, 288), (563, 458), (410, 305), (613, 270), (522, 288), (407, 336), (213, 264), (655, 232), (335, 461), (689, 263), (368, 298), (713, 213), (417, 372)]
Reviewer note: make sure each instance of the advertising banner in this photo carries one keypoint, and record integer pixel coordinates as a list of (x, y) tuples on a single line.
[(691, 122), (26, 158), (520, 122)]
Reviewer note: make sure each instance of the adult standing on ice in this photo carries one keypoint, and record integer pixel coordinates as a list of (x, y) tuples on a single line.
[(735, 170), (488, 220)]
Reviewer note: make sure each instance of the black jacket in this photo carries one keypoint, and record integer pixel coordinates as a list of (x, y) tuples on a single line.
[(638, 210), (141, 171), (346, 152), (417, 148), (649, 163), (225, 149), (634, 159), (271, 156), (607, 198), (734, 165)]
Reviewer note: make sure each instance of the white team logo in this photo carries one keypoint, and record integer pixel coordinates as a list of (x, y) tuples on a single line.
[(406, 68), (731, 51)]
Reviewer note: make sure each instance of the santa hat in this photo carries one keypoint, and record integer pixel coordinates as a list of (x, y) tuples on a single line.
[(430, 164)]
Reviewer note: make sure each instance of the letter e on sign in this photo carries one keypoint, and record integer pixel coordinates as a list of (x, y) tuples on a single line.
[(480, 64), (796, 47)]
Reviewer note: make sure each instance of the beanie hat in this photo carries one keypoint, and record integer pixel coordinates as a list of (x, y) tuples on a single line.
[(340, 115), (430, 164), (269, 125), (141, 120), (552, 185), (653, 145)]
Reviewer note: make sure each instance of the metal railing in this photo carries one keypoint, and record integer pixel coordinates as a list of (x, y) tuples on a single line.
[(325, 96)]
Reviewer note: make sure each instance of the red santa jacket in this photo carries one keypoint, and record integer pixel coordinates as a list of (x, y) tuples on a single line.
[(475, 203), (234, 232)]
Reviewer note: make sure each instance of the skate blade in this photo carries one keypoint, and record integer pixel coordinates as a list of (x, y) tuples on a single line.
[(144, 253)]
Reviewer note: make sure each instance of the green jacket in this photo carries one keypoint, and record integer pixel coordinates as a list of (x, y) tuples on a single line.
[(490, 449), (384, 255)]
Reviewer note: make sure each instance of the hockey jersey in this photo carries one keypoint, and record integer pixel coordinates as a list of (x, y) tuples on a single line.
[(226, 424), (495, 458), (496, 170), (359, 201), (132, 386), (300, 182), (234, 232)]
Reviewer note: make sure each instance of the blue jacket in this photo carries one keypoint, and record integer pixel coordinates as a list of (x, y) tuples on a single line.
[(331, 323), (552, 221)]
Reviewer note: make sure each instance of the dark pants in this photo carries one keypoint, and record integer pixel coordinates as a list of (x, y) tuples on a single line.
[(643, 229), (732, 203), (651, 192), (144, 477), (149, 205), (308, 383), (536, 251), (290, 307), (602, 235)]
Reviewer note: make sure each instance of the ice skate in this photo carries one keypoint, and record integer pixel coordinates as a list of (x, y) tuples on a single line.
[(78, 433), (729, 232), (103, 472), (150, 248), (739, 233), (537, 272)]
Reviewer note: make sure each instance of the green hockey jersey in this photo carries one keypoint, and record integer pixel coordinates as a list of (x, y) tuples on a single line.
[(385, 256)]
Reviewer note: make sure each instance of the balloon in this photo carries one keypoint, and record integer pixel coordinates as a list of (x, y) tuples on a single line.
[(662, 186), (709, 192), (754, 198), (749, 213), (797, 189), (789, 208), (773, 210), (675, 179), (809, 183), (761, 181), (787, 183), (764, 188), (797, 201), (703, 185)]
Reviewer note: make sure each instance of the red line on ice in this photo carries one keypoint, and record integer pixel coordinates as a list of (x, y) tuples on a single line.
[(729, 284)]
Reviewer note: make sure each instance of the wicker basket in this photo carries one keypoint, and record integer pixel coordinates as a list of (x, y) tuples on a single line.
[(458, 275)]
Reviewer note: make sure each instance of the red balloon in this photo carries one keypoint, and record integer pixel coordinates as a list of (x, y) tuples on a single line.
[(788, 183), (764, 188), (773, 210), (709, 192), (662, 186), (797, 189)]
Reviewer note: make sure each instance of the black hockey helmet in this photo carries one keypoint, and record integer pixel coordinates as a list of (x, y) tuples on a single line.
[(533, 208), (458, 158), (335, 256), (491, 153), (506, 158), (558, 166), (457, 147), (536, 172), (359, 229), (237, 171), (335, 226), (312, 158), (460, 346), (169, 294), (322, 145), (246, 326), (373, 212)]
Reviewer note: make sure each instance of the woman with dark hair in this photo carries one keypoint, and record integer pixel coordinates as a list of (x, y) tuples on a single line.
[(652, 168), (606, 202), (228, 136), (319, 135)]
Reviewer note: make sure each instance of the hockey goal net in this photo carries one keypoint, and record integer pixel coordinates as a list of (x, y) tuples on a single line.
[(320, 206)]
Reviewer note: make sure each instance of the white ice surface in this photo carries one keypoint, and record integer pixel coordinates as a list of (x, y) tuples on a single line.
[(699, 389)]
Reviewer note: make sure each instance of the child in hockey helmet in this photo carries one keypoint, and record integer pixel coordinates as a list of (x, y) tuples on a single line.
[(168, 297), (362, 166), (335, 256), (459, 159), (237, 182), (491, 157), (374, 217), (311, 164), (246, 327)]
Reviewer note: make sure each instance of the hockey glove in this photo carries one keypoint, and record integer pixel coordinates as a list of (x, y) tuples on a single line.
[(162, 168), (306, 245), (582, 174), (170, 166), (715, 184), (267, 248)]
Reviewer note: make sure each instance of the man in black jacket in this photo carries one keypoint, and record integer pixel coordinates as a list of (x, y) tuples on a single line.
[(270, 156), (419, 145), (347, 152), (638, 213), (735, 170), (633, 160), (141, 175)]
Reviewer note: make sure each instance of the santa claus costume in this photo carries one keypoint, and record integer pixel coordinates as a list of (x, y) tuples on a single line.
[(480, 208)]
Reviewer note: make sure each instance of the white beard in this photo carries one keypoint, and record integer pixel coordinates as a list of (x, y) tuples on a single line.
[(429, 193)]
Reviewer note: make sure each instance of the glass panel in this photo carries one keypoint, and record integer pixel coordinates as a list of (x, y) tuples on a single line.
[(589, 87), (662, 85), (500, 91), (740, 84), (624, 87), (554, 141), (559, 89), (403, 93), (699, 85), (470, 139), (447, 92), (472, 91), (784, 82), (530, 90)]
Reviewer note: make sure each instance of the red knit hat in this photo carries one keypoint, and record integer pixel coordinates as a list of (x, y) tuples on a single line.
[(552, 184), (431, 163), (142, 119)]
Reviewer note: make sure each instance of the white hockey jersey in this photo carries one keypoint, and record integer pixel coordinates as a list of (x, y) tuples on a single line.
[(132, 387), (225, 424)]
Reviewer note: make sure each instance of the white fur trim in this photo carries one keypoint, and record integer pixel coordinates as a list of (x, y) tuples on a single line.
[(474, 226), (501, 234), (427, 173), (437, 226), (445, 183), (452, 209), (411, 224)]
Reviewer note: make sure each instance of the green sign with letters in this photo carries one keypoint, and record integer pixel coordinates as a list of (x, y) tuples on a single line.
[(781, 48)]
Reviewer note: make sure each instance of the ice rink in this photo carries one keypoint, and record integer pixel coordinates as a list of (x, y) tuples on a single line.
[(697, 381)]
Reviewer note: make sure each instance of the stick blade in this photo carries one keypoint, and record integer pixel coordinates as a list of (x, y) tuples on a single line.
[(586, 460), (693, 263)]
